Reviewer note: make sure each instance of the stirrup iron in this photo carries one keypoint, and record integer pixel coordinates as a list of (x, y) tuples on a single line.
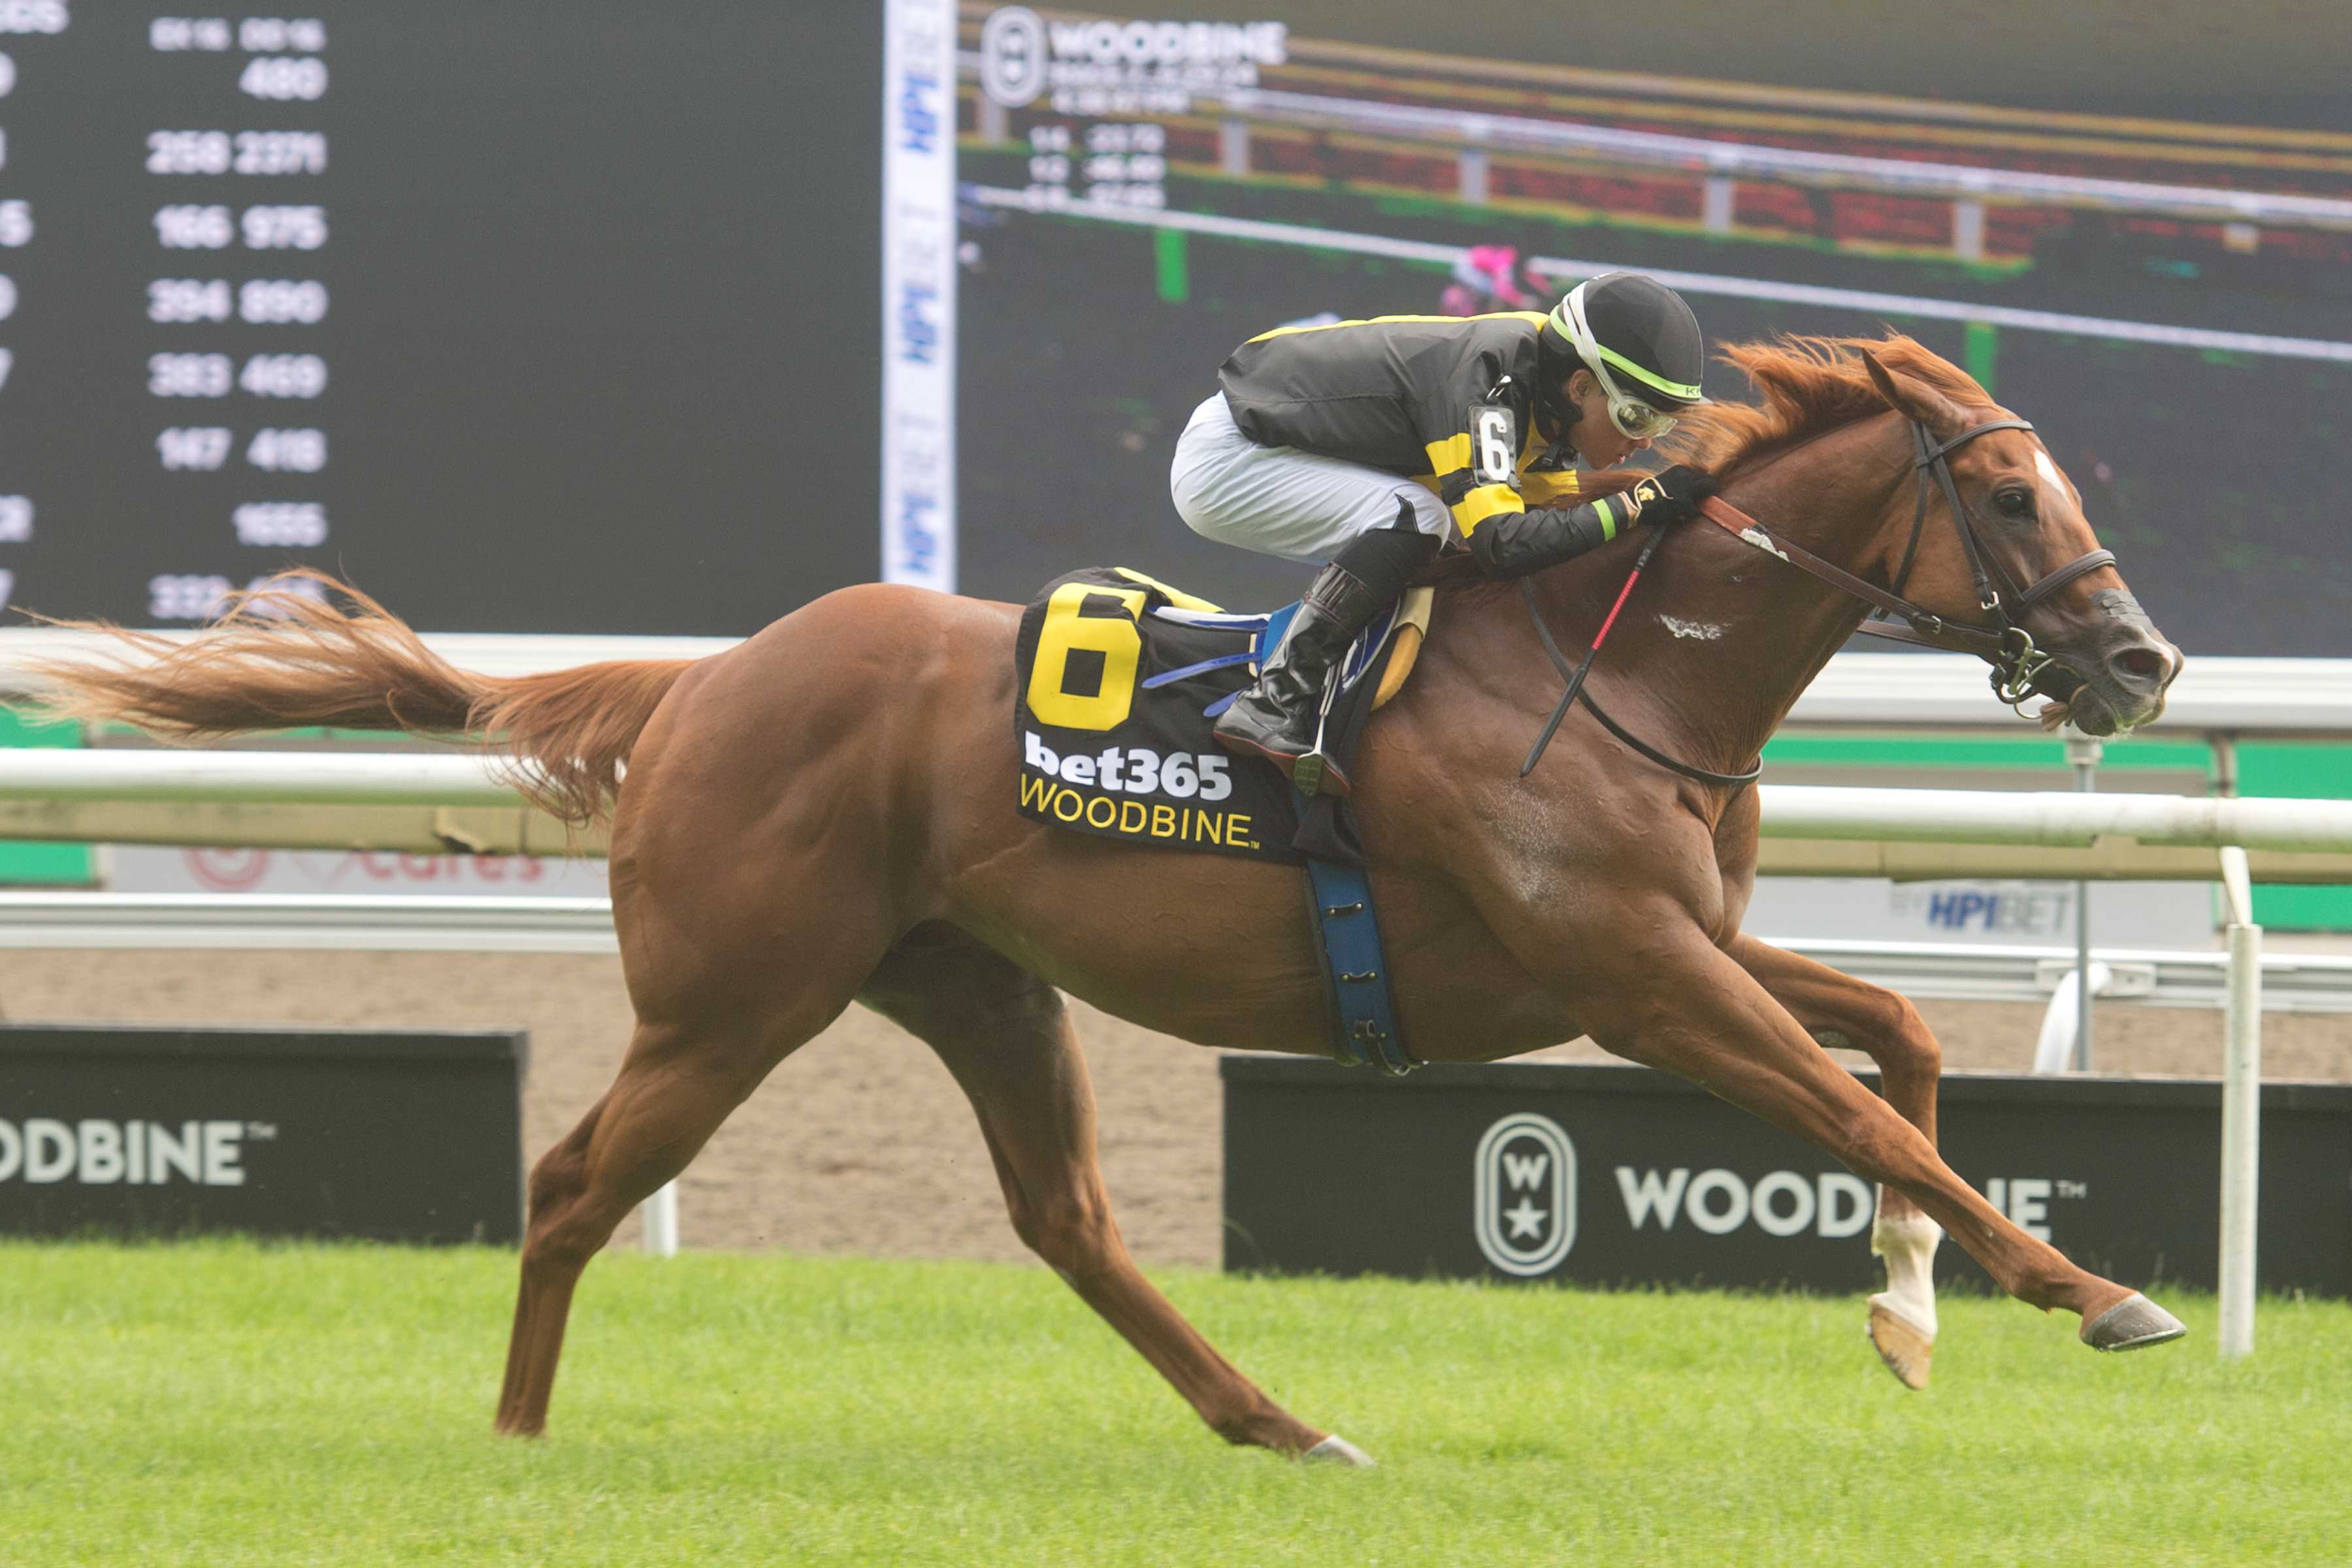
[(1307, 772)]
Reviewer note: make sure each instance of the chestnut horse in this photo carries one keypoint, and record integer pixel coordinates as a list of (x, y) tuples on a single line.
[(825, 814)]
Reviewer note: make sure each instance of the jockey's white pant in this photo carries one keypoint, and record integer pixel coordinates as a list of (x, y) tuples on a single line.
[(1279, 501)]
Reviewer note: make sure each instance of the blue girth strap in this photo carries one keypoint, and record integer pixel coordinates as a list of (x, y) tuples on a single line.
[(1362, 1009), (1356, 973)]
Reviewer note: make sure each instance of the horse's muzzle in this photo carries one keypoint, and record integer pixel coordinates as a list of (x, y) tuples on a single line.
[(2118, 683)]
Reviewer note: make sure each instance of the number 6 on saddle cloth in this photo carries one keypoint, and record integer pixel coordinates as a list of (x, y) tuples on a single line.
[(1120, 676)]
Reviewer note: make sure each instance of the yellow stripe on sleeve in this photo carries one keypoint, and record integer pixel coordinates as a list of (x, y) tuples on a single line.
[(1485, 502), (1449, 455), (1549, 487)]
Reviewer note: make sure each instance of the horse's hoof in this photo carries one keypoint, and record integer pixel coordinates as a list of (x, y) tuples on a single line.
[(2130, 1324), (1906, 1351), (1338, 1450)]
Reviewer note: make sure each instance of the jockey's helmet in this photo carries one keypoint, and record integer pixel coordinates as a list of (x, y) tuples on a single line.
[(1640, 342)]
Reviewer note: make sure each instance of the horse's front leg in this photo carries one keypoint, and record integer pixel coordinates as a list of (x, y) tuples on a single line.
[(1838, 1010), (1666, 996)]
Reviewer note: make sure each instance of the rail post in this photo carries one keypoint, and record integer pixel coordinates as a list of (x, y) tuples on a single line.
[(2083, 752), (2241, 1084), (2242, 1135), (661, 1221)]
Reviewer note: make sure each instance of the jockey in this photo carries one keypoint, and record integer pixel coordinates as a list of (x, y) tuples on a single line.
[(1364, 445)]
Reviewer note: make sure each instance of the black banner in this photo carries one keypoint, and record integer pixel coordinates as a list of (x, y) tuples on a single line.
[(415, 1137), (1604, 1174)]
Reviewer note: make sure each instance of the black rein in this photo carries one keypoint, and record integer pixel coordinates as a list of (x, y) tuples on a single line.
[(2005, 644)]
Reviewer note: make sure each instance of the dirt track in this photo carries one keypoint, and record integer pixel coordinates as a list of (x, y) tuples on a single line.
[(861, 1143)]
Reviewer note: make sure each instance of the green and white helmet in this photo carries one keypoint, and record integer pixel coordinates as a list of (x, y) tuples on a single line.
[(1642, 344)]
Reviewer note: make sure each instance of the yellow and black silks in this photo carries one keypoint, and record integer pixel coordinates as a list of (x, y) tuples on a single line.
[(1448, 401)]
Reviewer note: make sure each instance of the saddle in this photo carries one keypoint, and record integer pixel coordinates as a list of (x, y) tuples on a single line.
[(1398, 631), (1120, 678)]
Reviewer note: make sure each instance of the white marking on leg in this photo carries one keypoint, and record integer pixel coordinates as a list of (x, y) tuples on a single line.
[(1907, 1243), (1336, 1450), (1704, 631)]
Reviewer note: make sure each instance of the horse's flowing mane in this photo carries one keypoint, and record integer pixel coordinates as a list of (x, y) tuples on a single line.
[(1810, 385)]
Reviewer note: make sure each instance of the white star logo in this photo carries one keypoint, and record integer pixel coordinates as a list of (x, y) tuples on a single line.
[(1527, 1219)]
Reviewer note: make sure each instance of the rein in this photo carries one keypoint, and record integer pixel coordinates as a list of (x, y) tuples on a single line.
[(1575, 674), (2005, 644)]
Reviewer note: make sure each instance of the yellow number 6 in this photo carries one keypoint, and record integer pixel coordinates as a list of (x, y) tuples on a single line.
[(1065, 631)]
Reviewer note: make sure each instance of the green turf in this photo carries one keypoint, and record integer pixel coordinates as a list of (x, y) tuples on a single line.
[(225, 1404)]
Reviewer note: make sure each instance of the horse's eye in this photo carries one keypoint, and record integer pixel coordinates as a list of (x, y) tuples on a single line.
[(2014, 503)]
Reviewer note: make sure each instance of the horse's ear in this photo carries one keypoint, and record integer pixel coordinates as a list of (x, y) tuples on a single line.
[(1914, 398)]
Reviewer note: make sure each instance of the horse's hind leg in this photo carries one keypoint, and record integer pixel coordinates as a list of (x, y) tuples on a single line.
[(676, 1086), (725, 988), (1838, 1010), (1005, 1036)]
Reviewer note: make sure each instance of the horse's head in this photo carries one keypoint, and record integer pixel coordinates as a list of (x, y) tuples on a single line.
[(2106, 666)]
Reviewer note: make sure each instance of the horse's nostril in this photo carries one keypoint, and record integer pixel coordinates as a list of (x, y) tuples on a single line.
[(2139, 665)]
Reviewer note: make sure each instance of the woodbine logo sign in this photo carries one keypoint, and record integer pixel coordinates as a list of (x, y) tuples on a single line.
[(133, 1130), (1526, 1205), (94, 1152), (1121, 65), (1609, 1176)]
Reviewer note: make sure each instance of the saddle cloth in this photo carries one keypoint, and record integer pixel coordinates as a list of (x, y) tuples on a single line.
[(1120, 678)]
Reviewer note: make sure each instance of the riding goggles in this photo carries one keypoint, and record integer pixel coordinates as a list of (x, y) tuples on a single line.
[(1634, 419)]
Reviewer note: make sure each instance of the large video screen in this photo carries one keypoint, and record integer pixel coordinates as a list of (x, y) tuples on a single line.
[(593, 316), (2169, 297), (539, 315)]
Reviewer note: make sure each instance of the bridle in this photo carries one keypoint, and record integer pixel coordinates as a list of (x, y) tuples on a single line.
[(2005, 644)]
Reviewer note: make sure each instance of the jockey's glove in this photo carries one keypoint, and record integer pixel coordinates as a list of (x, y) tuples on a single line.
[(1513, 544), (1672, 495)]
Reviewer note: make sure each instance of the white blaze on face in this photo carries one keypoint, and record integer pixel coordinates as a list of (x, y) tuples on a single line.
[(2049, 471)]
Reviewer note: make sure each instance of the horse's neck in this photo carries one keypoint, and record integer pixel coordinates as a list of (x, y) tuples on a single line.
[(1719, 639)]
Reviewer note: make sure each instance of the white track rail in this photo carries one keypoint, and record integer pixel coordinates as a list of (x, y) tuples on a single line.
[(324, 923), (255, 778), (2053, 820), (2309, 698), (2035, 818), (2291, 983)]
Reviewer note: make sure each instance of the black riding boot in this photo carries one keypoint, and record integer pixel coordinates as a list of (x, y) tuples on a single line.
[(1280, 718)]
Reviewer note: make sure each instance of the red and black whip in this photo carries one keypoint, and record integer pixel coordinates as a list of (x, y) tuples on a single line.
[(1559, 660)]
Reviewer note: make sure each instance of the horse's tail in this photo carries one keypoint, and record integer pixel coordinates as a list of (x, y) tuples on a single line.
[(282, 658)]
